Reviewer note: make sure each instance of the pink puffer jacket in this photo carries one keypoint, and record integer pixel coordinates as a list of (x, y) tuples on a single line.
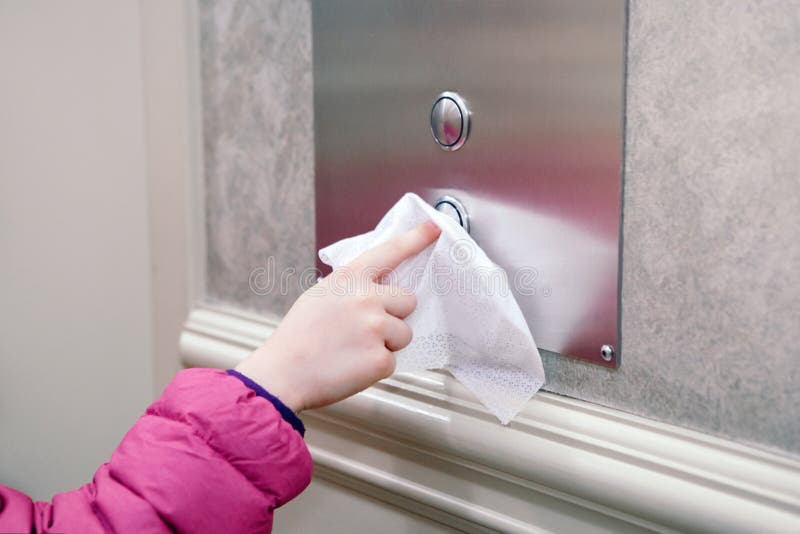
[(210, 455)]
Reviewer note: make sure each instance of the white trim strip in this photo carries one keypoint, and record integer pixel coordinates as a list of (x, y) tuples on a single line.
[(417, 492), (660, 473)]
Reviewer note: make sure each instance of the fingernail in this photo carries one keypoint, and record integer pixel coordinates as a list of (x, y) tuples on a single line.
[(430, 225)]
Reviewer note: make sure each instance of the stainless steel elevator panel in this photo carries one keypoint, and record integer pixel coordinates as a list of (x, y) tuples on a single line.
[(540, 173)]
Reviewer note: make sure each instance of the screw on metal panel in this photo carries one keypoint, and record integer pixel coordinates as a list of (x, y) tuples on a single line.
[(607, 352)]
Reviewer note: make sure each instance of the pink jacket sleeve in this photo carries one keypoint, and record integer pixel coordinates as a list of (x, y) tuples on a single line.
[(208, 456)]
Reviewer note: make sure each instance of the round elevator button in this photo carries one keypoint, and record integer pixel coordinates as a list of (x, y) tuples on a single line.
[(454, 209), (450, 121)]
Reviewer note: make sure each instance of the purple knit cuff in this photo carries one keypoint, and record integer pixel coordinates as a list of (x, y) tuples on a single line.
[(288, 415)]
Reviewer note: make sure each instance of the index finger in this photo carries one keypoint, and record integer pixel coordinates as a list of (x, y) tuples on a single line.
[(389, 254)]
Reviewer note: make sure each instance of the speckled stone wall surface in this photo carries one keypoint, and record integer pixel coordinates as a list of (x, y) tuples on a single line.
[(711, 257), (259, 150)]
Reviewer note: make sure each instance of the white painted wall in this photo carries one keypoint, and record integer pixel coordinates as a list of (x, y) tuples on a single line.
[(173, 146), (76, 289)]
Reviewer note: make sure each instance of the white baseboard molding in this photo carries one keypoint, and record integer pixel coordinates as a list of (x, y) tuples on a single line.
[(642, 473), (410, 495)]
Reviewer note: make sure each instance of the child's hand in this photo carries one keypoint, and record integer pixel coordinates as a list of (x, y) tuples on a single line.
[(339, 336)]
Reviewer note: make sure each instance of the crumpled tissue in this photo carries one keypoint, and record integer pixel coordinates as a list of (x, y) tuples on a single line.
[(467, 320)]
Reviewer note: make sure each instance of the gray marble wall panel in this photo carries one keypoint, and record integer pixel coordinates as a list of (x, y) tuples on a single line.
[(711, 257), (259, 149)]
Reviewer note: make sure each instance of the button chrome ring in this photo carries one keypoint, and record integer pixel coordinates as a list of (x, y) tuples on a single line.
[(451, 205)]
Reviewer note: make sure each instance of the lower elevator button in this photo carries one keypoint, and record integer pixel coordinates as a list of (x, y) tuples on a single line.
[(454, 209)]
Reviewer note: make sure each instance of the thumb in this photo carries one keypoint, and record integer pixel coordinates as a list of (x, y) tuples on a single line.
[(389, 254)]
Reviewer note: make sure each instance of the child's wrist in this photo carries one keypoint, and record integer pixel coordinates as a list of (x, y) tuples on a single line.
[(257, 368)]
